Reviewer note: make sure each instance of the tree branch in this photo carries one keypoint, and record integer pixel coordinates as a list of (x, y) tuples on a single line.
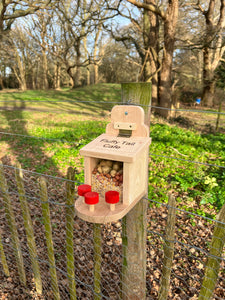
[(22, 13), (150, 7)]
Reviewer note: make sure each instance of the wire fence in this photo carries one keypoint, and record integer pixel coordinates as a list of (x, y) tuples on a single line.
[(192, 243), (193, 234)]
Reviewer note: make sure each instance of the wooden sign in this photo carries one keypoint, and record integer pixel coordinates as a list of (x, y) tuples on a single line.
[(115, 148)]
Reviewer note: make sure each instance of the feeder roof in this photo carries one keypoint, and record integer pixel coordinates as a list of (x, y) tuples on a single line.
[(116, 148)]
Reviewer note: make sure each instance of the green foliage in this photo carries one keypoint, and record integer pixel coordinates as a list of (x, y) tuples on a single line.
[(220, 73), (194, 181)]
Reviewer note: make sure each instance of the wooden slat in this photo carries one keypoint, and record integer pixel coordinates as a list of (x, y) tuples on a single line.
[(12, 226)]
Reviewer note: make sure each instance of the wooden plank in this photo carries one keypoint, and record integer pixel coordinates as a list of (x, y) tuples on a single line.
[(3, 258), (48, 236), (135, 178), (102, 213), (12, 226), (116, 148), (214, 258), (70, 213), (128, 114), (97, 239), (168, 249), (28, 229)]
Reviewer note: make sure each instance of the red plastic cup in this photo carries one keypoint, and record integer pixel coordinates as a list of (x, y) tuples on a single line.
[(83, 189), (91, 198), (112, 197)]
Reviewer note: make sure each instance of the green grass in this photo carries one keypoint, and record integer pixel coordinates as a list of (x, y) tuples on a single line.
[(76, 101), (190, 182)]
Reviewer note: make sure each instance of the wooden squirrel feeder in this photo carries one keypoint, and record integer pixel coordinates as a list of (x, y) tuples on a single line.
[(116, 167)]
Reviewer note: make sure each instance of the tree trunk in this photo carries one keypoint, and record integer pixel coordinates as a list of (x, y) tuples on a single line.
[(170, 22), (213, 48), (21, 76), (208, 91), (166, 72), (96, 73), (78, 64), (44, 70), (77, 77), (88, 75), (72, 77), (57, 76), (150, 60), (86, 58), (33, 82), (1, 83), (208, 74)]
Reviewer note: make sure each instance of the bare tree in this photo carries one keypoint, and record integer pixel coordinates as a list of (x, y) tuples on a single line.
[(10, 10), (213, 44), (151, 65), (169, 17), (77, 22), (38, 30), (142, 34), (117, 65), (14, 51)]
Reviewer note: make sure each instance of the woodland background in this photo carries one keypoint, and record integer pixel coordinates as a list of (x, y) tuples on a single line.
[(177, 45)]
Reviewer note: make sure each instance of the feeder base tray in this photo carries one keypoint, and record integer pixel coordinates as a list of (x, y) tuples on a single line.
[(102, 213)]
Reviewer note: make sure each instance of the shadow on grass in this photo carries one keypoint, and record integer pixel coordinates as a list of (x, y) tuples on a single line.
[(92, 99), (22, 147)]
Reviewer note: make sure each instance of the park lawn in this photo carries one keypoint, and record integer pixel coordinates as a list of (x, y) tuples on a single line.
[(95, 98), (48, 141)]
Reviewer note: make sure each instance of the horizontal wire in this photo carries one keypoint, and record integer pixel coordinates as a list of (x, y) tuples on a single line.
[(82, 144), (30, 199), (118, 102), (41, 138), (187, 245), (56, 101), (187, 110), (40, 174), (185, 211), (148, 199), (186, 160), (78, 182)]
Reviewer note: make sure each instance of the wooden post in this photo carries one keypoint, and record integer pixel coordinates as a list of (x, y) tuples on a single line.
[(134, 223), (70, 212), (29, 229), (214, 258), (12, 226), (48, 236), (3, 258), (138, 93), (168, 249), (97, 260)]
